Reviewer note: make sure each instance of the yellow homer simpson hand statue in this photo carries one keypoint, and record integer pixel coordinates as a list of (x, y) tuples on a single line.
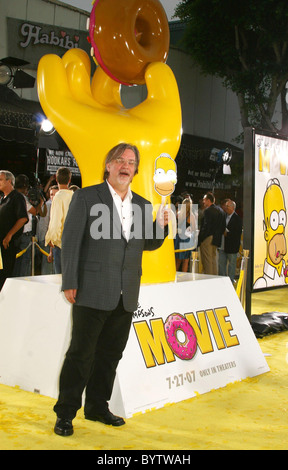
[(91, 119)]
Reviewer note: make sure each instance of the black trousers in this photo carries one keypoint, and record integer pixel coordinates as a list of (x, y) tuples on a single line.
[(8, 259), (98, 340)]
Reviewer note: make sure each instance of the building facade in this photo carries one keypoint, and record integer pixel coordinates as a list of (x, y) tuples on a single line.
[(30, 29)]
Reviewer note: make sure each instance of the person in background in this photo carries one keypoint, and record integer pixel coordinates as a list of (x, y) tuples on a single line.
[(23, 264), (59, 209), (186, 224), (13, 217), (231, 241), (46, 262), (73, 187), (50, 182), (210, 234)]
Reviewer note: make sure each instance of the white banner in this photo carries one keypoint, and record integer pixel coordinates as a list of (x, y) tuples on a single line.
[(187, 338)]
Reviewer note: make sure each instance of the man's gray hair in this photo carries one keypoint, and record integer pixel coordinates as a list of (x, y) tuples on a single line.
[(8, 176), (231, 204), (117, 152)]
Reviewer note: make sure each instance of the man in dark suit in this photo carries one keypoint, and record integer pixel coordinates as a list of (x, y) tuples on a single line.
[(210, 234), (232, 238), (106, 231)]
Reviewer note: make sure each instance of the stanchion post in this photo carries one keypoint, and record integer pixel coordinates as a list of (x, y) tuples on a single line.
[(194, 260), (33, 243), (245, 268), (33, 256), (242, 282)]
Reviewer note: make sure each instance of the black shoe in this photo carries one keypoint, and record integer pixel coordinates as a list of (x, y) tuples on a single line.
[(107, 418), (63, 427)]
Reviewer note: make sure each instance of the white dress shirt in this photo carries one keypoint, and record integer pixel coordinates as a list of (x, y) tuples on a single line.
[(124, 209)]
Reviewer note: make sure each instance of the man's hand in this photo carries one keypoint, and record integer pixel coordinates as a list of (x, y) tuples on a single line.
[(6, 241), (163, 215), (166, 216), (70, 295), (18, 225)]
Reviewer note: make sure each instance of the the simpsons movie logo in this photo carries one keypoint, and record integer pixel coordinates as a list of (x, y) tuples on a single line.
[(183, 335), (272, 158)]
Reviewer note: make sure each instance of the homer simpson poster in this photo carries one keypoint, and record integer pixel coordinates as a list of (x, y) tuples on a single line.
[(270, 217)]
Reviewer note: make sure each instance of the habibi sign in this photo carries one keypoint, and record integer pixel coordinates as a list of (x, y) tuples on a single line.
[(187, 338), (30, 41)]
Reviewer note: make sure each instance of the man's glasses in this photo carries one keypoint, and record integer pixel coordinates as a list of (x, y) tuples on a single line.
[(121, 161)]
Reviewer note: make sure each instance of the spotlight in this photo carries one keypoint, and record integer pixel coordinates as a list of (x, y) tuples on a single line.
[(47, 127), (12, 76), (6, 75), (225, 157)]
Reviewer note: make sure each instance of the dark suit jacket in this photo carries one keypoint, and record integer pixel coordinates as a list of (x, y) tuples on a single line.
[(233, 237), (102, 265), (213, 223)]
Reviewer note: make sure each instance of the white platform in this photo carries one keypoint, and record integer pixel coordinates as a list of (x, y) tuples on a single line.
[(35, 323)]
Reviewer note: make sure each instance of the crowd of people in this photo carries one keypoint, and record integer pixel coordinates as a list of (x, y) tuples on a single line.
[(26, 219), (218, 239), (212, 230)]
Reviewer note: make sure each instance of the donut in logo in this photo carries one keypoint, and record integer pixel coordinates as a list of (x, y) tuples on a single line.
[(180, 336)]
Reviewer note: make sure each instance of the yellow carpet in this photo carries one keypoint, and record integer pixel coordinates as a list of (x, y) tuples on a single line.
[(252, 414)]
